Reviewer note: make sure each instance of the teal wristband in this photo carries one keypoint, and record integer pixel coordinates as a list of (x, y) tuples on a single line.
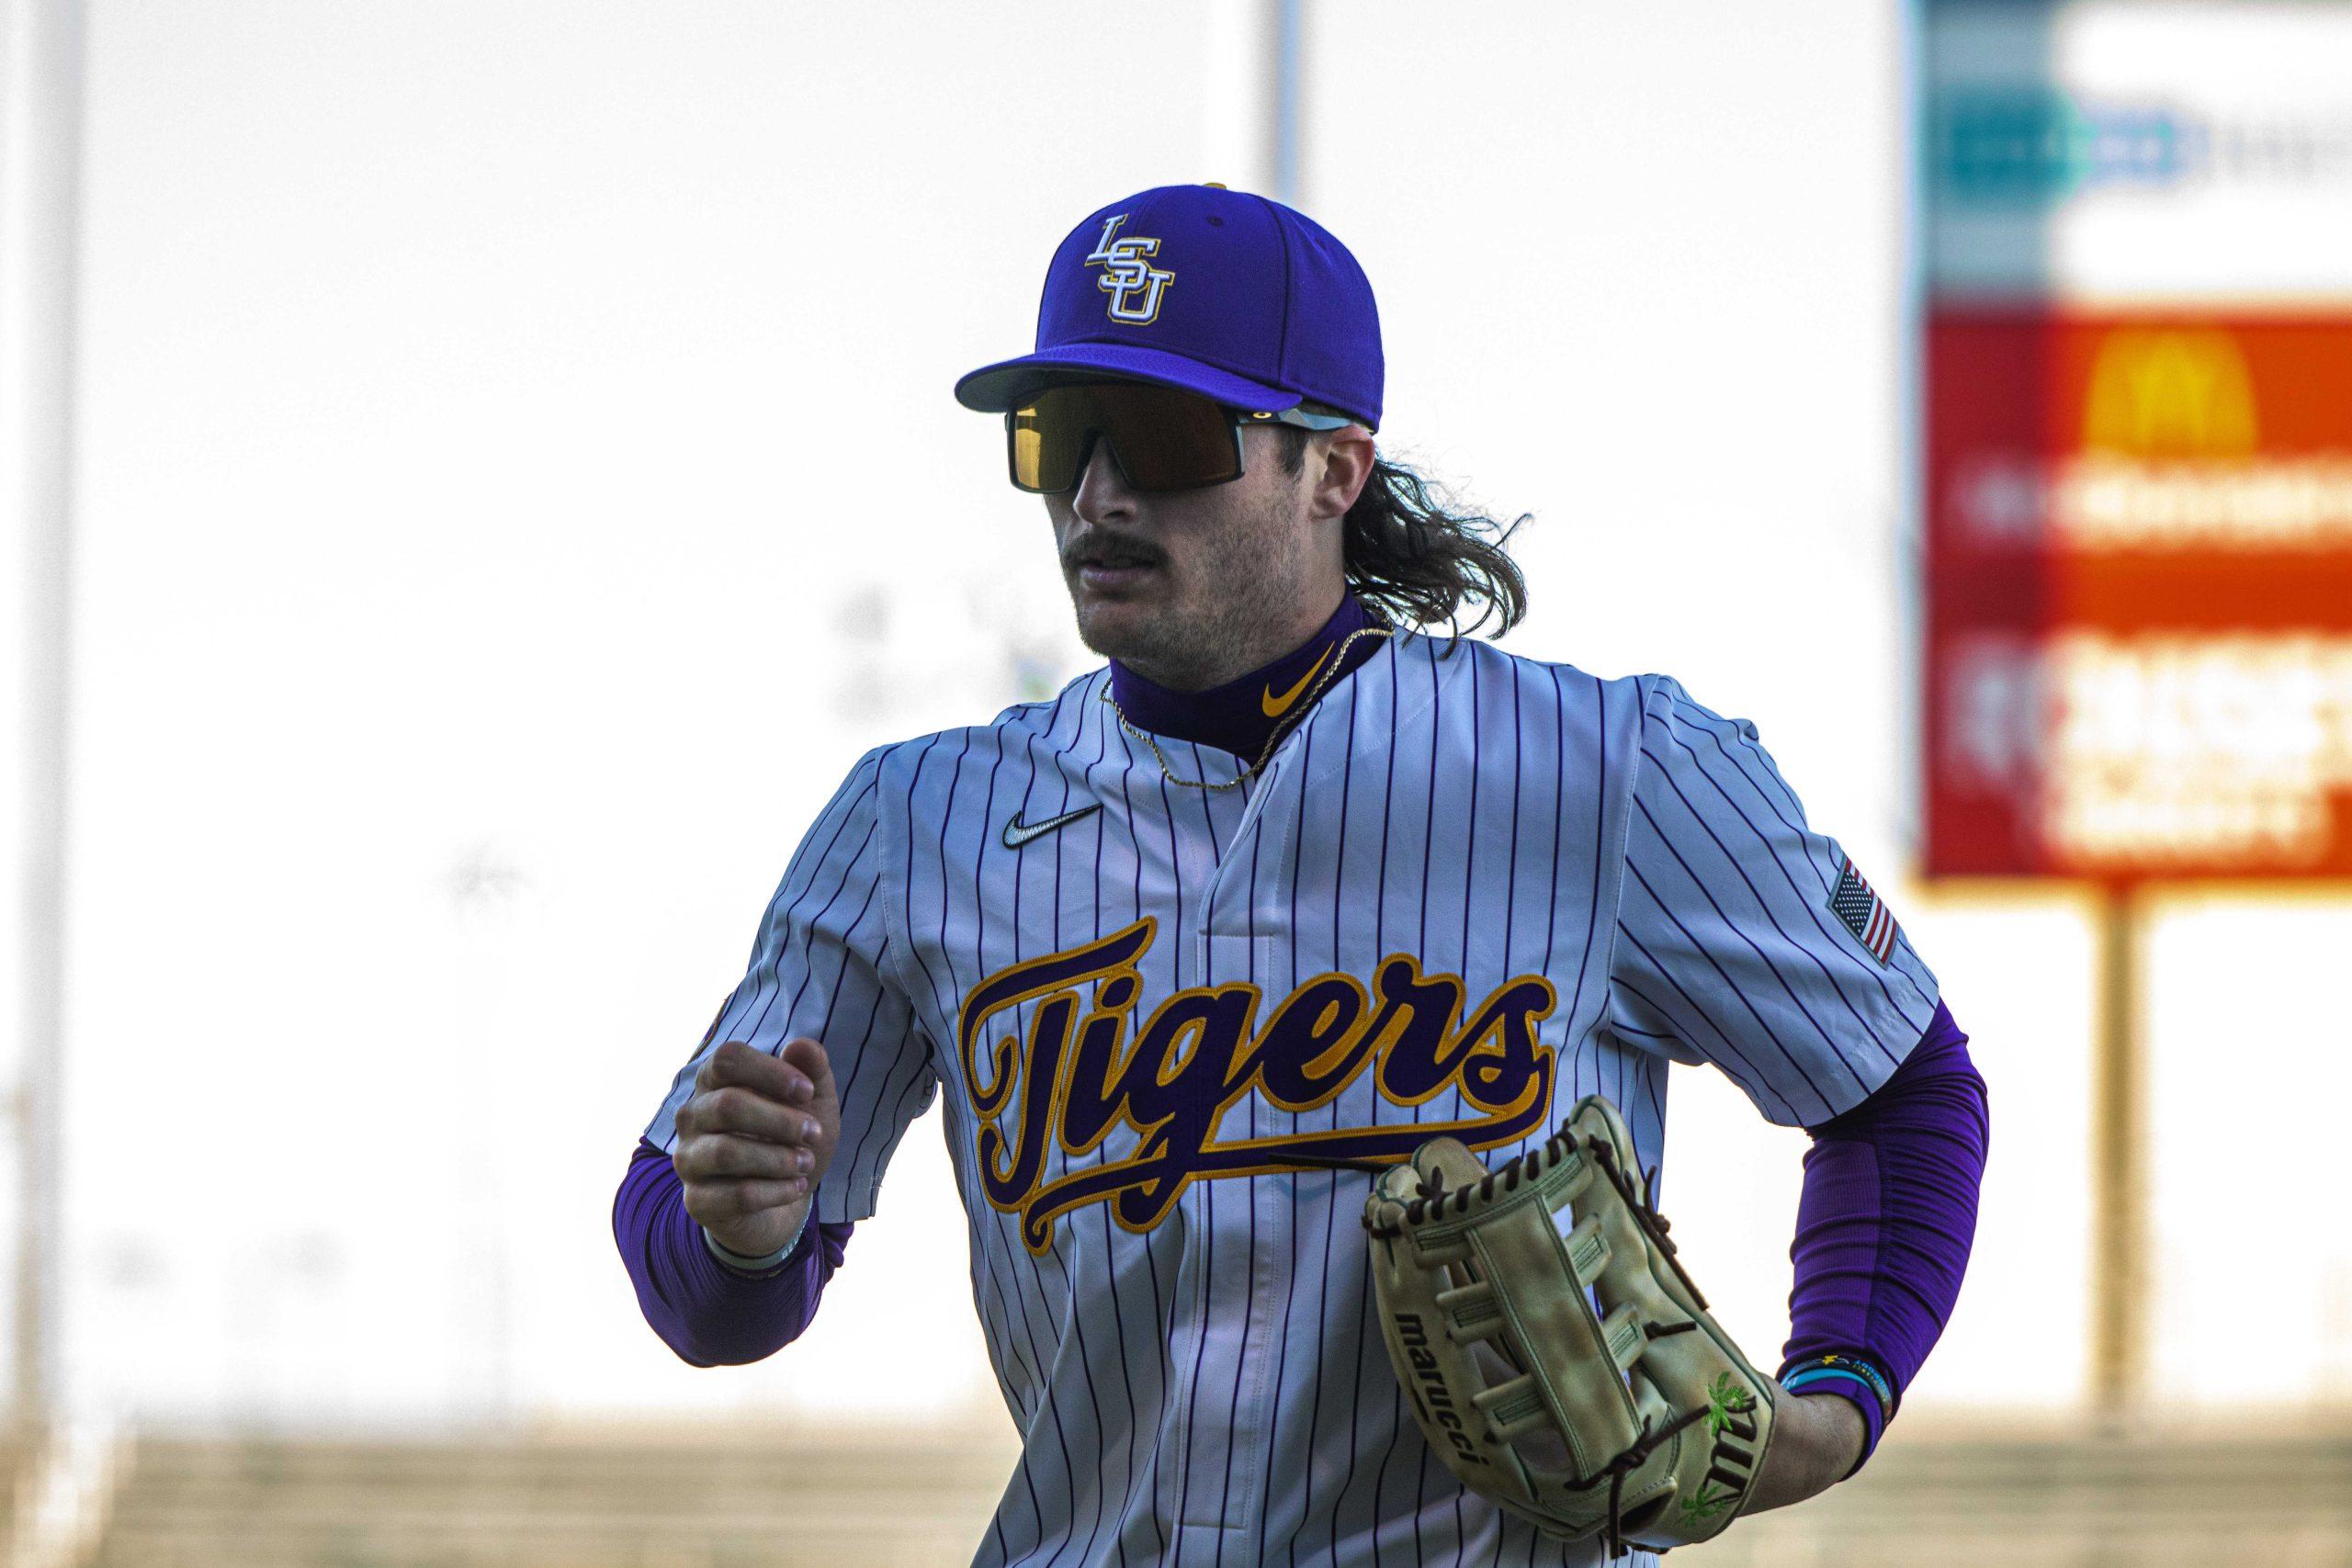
[(1850, 1367)]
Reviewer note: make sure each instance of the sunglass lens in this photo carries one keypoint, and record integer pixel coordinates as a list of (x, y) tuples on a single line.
[(1049, 439), (1168, 440)]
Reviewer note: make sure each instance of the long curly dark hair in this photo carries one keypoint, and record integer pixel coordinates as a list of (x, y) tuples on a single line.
[(1413, 558)]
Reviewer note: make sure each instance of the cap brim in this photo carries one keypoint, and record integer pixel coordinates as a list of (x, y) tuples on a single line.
[(993, 389)]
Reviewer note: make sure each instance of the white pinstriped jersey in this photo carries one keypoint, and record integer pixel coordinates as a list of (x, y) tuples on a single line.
[(1468, 889)]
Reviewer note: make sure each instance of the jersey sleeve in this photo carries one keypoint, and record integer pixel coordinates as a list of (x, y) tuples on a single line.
[(1744, 937), (823, 965)]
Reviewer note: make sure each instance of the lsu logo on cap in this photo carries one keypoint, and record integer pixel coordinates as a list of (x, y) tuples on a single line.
[(1128, 278)]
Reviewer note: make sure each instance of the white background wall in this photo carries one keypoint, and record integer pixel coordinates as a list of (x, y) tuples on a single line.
[(517, 477)]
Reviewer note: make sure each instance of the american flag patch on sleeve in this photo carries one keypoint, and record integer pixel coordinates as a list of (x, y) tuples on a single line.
[(1863, 911)]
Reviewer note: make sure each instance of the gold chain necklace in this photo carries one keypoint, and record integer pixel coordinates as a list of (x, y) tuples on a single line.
[(1331, 671)]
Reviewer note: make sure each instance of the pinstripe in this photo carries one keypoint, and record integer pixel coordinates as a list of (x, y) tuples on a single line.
[(1699, 884), (1653, 1071), (1469, 894), (1738, 993), (1780, 865), (1405, 1434), (1707, 722), (1028, 1276), (1118, 1302), (1395, 1396), (991, 1239), (1206, 1291), (841, 885), (782, 922), (1245, 804), (1379, 946), (1250, 1197), (988, 1238), (832, 1008), (1599, 817), (1290, 1297), (1076, 1320), (1323, 1275), (1249, 1314), (1161, 1305), (1168, 1370), (1763, 903), (1749, 1079), (856, 791), (910, 1073), (1511, 857), (1589, 1044), (947, 819)]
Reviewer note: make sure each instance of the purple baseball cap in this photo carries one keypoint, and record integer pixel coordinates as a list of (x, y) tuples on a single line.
[(1215, 291)]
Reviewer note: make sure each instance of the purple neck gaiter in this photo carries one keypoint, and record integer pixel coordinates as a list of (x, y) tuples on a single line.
[(1241, 715)]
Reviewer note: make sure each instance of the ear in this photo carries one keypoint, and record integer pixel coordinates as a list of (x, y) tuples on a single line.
[(1341, 463)]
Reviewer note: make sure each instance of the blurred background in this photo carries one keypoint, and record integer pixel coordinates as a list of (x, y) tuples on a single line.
[(476, 475)]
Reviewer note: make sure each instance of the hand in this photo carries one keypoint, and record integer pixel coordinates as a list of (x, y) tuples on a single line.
[(1815, 1440), (754, 1139)]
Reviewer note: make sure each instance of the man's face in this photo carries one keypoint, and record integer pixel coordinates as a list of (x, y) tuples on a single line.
[(1182, 583)]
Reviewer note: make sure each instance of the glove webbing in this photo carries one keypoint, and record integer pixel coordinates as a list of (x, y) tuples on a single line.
[(1648, 1218)]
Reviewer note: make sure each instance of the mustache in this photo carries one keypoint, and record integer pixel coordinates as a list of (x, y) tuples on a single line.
[(1098, 547)]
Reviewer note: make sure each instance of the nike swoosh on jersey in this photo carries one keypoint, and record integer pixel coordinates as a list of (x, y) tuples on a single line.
[(1017, 832), (1275, 705)]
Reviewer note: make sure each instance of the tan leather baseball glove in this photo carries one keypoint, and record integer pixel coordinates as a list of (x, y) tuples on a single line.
[(1559, 1358)]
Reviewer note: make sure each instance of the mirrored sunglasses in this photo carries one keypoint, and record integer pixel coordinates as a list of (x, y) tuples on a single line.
[(1161, 438)]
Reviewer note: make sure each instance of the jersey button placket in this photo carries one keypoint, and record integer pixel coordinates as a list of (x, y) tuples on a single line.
[(1239, 1253)]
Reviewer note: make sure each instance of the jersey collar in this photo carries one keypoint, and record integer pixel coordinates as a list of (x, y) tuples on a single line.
[(1239, 716)]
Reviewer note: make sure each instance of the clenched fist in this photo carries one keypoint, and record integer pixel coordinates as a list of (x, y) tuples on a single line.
[(754, 1140)]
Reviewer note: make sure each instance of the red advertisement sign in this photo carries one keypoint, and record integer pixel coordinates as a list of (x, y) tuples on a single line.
[(2139, 593)]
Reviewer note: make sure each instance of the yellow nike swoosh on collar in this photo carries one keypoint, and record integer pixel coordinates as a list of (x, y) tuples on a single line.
[(1275, 705)]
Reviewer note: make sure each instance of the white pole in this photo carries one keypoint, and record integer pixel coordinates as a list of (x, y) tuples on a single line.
[(1282, 155), (41, 134)]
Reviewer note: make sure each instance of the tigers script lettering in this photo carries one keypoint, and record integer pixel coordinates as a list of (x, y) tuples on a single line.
[(1083, 1069)]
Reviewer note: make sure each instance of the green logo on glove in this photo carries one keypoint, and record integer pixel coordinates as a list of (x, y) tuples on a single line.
[(1726, 1399), (1707, 1503)]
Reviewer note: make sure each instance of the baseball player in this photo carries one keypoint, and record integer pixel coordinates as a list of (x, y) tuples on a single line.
[(1292, 883)]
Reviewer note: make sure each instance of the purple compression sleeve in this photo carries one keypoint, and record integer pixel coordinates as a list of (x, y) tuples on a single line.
[(1884, 1225), (711, 1315)]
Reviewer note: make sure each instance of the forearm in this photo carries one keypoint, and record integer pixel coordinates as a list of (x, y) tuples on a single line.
[(1817, 1441), (709, 1314), (1883, 1230)]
